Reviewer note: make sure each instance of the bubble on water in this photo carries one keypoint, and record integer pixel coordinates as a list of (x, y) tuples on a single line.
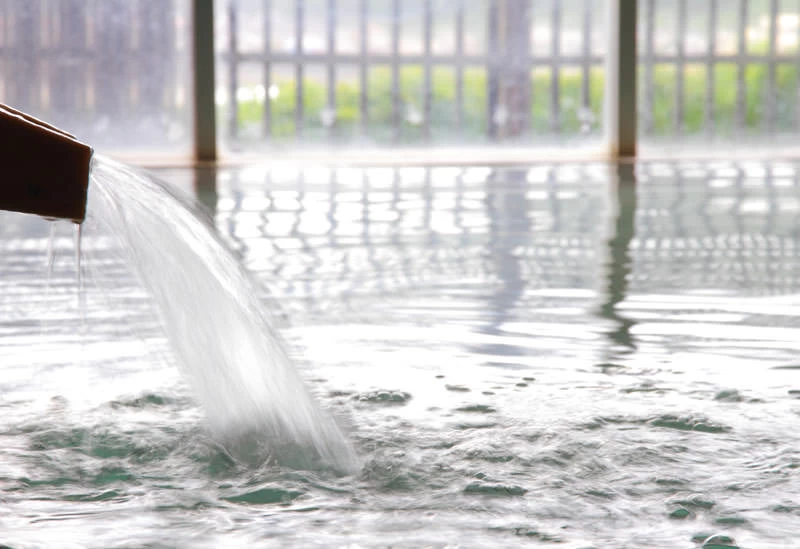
[(680, 513), (730, 520), (729, 395), (105, 495), (476, 409), (688, 423), (787, 508), (716, 541), (494, 489), (693, 501), (266, 495), (384, 397), (475, 425), (483, 451)]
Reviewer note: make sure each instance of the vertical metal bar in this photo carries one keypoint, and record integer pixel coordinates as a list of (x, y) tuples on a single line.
[(797, 75), (555, 85), (427, 39), (177, 64), (299, 16), (771, 99), (69, 81), (396, 114), (621, 78), (713, 17), (233, 70), (492, 72), (586, 66), (127, 14), (680, 69), (363, 104), (519, 27), (112, 77), (649, 80), (205, 124), (741, 91), (46, 42), (459, 65), (4, 49), (267, 122), (156, 50), (331, 68), (136, 39)]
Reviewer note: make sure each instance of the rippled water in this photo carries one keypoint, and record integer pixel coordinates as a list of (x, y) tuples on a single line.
[(521, 356)]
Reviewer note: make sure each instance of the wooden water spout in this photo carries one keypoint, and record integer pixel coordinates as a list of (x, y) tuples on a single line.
[(45, 171)]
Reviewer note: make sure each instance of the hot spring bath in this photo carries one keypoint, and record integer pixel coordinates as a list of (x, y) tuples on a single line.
[(520, 357)]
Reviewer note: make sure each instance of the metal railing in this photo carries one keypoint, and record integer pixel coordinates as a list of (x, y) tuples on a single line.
[(529, 80), (506, 61), (522, 70), (757, 57)]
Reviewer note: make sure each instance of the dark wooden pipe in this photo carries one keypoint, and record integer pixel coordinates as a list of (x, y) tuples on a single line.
[(43, 170)]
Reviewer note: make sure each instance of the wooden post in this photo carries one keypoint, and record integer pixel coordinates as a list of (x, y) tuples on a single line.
[(205, 127), (621, 113)]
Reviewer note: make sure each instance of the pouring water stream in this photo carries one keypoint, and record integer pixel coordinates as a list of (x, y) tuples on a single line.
[(221, 335)]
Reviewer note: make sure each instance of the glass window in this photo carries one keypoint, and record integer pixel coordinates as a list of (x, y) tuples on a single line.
[(718, 71), (113, 72), (320, 73)]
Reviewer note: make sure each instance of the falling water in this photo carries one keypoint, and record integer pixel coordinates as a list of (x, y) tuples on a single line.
[(256, 402), (78, 237)]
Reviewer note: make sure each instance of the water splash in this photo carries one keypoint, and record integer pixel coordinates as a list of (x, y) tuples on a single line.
[(256, 402)]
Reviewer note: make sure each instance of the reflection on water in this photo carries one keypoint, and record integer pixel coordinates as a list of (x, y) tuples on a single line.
[(594, 355), (619, 264), (509, 230)]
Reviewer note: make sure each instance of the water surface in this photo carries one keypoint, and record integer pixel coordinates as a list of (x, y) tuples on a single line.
[(521, 356)]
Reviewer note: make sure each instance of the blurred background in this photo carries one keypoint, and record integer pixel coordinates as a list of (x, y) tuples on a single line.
[(373, 73)]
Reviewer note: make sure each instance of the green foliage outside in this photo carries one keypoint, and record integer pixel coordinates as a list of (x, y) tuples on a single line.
[(573, 120)]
